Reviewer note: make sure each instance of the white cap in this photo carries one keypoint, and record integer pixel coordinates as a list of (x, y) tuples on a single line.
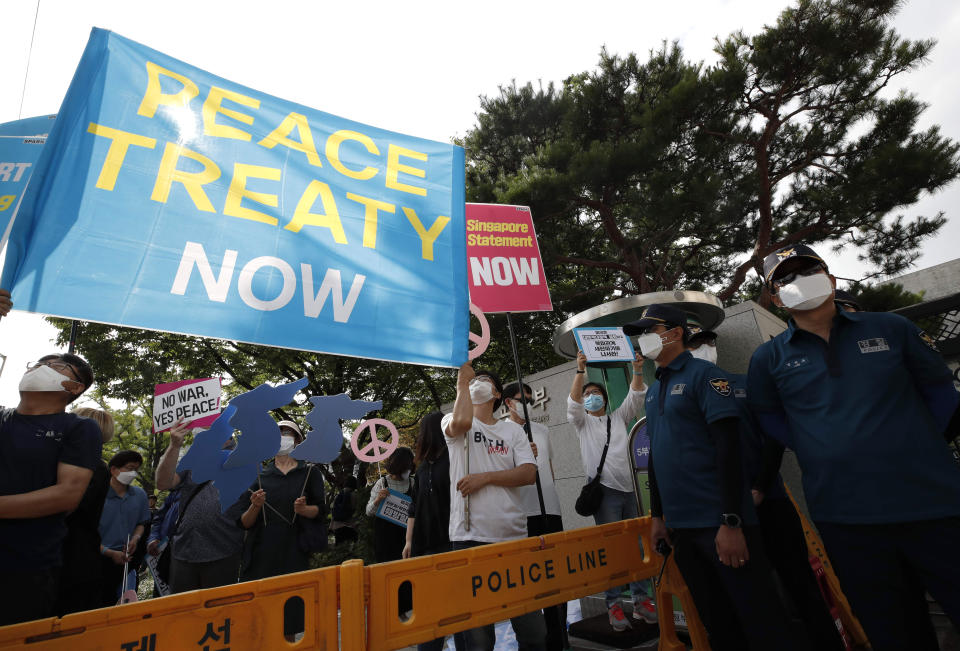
[(292, 425)]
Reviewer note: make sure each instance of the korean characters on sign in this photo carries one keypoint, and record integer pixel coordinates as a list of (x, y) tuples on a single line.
[(604, 344)]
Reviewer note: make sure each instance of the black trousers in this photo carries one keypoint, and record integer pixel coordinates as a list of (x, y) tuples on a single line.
[(111, 578), (554, 616), (786, 549), (739, 607), (884, 570), (26, 596), (185, 576)]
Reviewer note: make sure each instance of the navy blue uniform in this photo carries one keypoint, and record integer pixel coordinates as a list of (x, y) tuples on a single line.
[(31, 447), (689, 395), (738, 606), (877, 473), (782, 532), (870, 448)]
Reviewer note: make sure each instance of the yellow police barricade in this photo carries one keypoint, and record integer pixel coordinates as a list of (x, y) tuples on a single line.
[(815, 546), (482, 585), (451, 592), (672, 585), (237, 617)]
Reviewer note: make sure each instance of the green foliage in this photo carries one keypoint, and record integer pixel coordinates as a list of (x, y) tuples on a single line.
[(627, 195), (832, 161), (884, 298), (660, 174)]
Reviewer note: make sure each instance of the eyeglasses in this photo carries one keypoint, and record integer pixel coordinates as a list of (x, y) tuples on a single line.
[(57, 366), (786, 279)]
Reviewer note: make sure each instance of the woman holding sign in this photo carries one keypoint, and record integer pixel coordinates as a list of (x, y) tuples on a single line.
[(286, 491), (389, 506), (602, 429)]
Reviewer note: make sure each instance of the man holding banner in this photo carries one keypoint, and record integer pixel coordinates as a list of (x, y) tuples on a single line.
[(489, 458)]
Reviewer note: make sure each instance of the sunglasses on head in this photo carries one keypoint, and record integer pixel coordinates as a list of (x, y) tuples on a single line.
[(786, 279)]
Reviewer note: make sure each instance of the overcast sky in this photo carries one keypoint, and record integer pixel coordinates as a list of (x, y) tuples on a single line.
[(418, 68)]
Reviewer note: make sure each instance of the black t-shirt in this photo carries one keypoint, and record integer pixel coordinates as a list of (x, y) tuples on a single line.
[(30, 449)]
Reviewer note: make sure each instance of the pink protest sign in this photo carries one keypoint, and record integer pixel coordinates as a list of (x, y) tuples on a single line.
[(503, 260), (481, 340), (376, 450), (196, 401)]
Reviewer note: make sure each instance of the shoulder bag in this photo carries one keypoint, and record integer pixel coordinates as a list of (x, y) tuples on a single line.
[(591, 495)]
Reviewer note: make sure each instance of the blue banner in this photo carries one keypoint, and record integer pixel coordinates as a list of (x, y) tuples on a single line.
[(21, 142), (168, 198)]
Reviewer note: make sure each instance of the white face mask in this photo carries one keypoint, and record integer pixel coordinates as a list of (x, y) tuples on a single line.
[(517, 408), (651, 345), (405, 476), (126, 477), (706, 353), (806, 292), (42, 378), (287, 444), (480, 392)]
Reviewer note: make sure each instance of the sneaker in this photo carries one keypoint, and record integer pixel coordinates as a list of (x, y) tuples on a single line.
[(644, 608), (618, 621)]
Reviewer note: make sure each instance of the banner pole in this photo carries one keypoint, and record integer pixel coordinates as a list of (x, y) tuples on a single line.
[(74, 331), (523, 401)]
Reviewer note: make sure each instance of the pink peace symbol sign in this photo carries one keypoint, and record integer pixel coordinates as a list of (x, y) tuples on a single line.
[(375, 450), (481, 340)]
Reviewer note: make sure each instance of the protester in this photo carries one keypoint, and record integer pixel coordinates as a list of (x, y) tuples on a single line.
[(389, 539), (780, 526), (125, 513), (428, 524), (344, 511), (697, 488), (163, 524), (597, 427), (286, 490), (206, 544), (862, 397), (539, 523), (47, 458), (79, 588), (484, 504)]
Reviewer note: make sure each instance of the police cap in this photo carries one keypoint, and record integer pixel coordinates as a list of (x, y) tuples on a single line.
[(656, 314), (778, 257)]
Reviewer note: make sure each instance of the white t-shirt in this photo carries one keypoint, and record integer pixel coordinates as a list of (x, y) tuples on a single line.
[(528, 494), (495, 511), (592, 430)]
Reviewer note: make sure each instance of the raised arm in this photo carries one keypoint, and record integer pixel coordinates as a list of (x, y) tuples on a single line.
[(463, 405), (576, 389), (636, 383), (166, 473)]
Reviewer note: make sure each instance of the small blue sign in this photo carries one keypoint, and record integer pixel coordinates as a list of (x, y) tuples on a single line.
[(21, 142)]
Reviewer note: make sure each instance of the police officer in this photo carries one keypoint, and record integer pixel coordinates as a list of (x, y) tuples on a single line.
[(780, 526), (864, 399), (697, 488)]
